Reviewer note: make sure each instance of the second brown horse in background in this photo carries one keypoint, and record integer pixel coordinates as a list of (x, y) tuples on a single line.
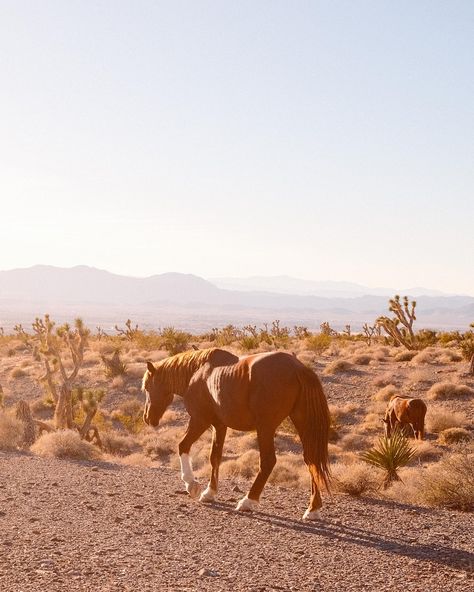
[(402, 411)]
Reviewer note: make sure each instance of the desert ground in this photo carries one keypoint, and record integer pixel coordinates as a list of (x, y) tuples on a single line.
[(78, 517)]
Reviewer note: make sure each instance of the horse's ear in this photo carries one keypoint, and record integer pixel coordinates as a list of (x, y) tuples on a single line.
[(150, 367)]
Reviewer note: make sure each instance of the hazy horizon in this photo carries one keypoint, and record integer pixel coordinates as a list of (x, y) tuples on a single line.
[(323, 141)]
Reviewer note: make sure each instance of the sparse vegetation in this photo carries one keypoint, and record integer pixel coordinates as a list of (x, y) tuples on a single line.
[(390, 455), (65, 444)]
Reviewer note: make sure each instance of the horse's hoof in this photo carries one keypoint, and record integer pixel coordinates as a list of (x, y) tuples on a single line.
[(246, 505), (208, 495), (194, 489), (311, 515)]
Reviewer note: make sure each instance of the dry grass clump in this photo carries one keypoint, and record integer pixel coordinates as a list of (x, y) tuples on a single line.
[(245, 466), (160, 445), (290, 471), (440, 418), (386, 393), (354, 479), (450, 483), (361, 359), (338, 366), (137, 459), (118, 383), (421, 376), (11, 431), (449, 356), (118, 444), (353, 442), (405, 356), (426, 356), (380, 353), (17, 373), (372, 423), (449, 390), (383, 379), (425, 451), (65, 444), (454, 436)]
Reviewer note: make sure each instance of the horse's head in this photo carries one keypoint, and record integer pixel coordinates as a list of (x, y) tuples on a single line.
[(158, 396), (387, 427)]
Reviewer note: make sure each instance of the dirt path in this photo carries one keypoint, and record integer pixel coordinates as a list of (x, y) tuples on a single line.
[(97, 526)]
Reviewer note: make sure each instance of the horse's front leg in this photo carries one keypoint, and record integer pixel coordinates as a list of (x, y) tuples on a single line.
[(195, 430), (218, 436)]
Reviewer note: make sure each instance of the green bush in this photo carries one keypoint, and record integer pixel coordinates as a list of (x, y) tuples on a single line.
[(319, 342)]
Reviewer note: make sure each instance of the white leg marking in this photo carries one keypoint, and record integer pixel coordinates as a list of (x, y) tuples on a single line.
[(208, 495), (246, 505), (311, 515), (187, 475)]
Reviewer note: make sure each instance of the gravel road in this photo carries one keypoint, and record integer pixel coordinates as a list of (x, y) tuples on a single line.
[(98, 526)]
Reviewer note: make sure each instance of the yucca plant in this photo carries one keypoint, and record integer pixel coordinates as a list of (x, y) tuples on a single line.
[(390, 454)]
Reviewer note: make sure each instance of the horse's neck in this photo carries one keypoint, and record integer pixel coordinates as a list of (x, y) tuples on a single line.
[(176, 379)]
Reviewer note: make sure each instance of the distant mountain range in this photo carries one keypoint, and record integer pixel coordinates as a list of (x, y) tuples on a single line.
[(193, 303)]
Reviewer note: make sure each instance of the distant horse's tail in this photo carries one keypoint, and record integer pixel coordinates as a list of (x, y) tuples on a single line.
[(316, 435)]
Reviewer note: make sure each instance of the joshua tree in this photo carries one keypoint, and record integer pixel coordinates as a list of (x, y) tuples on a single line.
[(130, 333), (405, 316), (23, 413), (50, 347), (370, 332)]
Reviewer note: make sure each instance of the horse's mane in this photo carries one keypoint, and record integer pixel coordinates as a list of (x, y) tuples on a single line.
[(176, 371)]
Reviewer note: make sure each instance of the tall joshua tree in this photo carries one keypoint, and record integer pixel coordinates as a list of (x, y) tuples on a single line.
[(51, 348), (400, 328)]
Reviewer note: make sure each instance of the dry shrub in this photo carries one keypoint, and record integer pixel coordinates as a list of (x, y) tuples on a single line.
[(42, 409), (118, 382), (383, 380), (420, 376), (137, 459), (18, 373), (354, 479), (440, 418), (118, 444), (129, 415), (353, 442), (449, 390), (426, 356), (11, 431), (386, 393), (361, 359), (170, 416), (448, 483), (380, 353), (405, 356), (337, 367), (161, 444), (372, 423), (449, 356), (290, 471), (318, 343), (136, 370), (65, 444), (454, 436), (342, 414), (426, 451), (245, 466)]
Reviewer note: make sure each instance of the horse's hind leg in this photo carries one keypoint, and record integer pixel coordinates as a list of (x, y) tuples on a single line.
[(218, 436), (315, 502), (267, 462), (195, 429)]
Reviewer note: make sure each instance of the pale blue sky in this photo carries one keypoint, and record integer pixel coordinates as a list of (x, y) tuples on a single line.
[(320, 139)]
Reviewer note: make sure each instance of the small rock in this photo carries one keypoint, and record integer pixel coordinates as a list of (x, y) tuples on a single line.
[(95, 469), (209, 573), (237, 489)]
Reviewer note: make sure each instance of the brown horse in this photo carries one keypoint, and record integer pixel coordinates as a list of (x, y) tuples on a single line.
[(256, 392), (402, 411)]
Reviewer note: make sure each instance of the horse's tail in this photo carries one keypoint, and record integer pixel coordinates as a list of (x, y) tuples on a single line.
[(316, 435)]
